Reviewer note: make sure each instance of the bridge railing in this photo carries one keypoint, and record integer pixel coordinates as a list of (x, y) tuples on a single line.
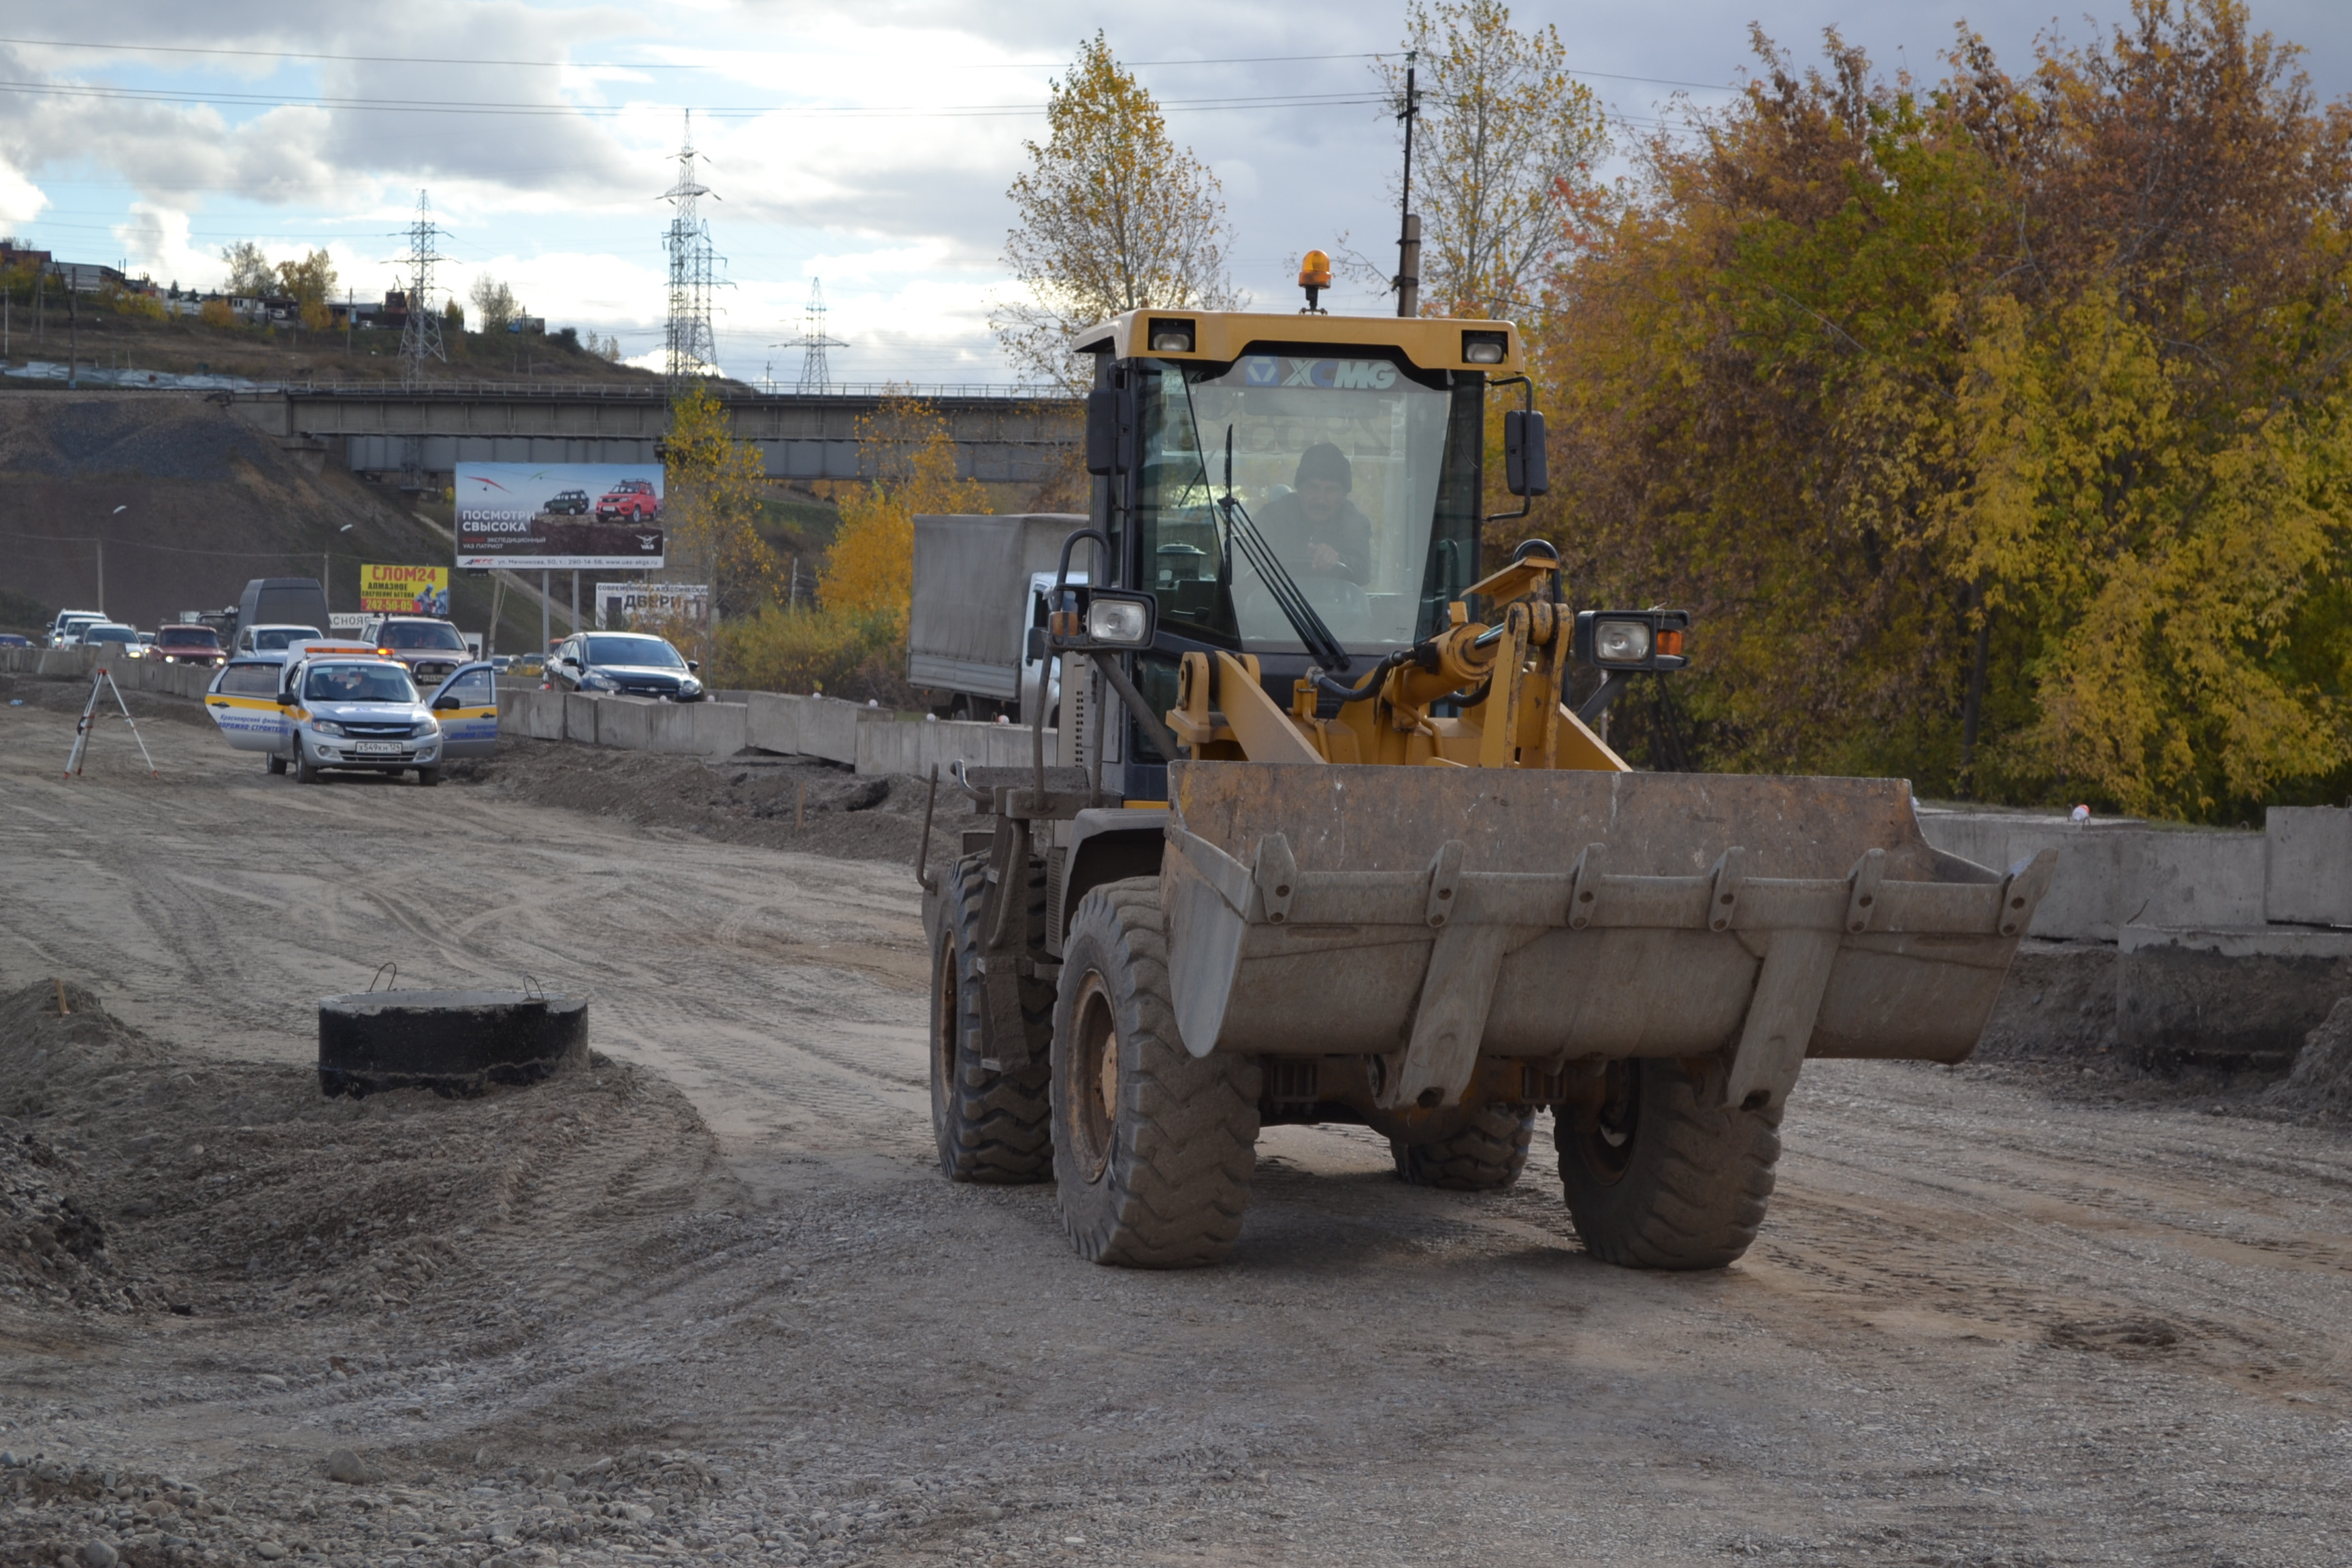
[(640, 393)]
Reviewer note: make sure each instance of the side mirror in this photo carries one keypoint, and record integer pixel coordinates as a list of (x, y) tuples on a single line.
[(1110, 430), (694, 664), (445, 705), (1526, 470)]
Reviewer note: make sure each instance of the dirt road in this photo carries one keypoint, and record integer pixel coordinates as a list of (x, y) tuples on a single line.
[(1992, 1320)]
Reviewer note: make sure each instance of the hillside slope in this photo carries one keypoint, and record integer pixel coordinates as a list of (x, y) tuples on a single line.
[(207, 503)]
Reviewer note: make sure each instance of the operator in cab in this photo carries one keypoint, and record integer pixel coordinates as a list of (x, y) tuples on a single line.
[(1316, 530)]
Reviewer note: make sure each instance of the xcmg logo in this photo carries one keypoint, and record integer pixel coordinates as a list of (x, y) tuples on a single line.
[(1326, 374)]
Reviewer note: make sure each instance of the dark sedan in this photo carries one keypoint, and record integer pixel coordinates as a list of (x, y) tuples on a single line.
[(630, 664)]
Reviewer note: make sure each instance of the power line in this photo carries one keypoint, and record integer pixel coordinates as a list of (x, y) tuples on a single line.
[(598, 111), (612, 65)]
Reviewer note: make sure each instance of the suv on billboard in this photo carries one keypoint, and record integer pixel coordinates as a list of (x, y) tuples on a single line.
[(631, 498), (568, 503)]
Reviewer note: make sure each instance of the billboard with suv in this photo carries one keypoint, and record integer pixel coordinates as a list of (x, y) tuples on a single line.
[(560, 516)]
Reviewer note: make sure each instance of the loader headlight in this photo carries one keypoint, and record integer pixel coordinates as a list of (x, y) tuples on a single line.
[(1632, 639), (1621, 642), (1485, 348), (1107, 618), (1171, 337), (1121, 623)]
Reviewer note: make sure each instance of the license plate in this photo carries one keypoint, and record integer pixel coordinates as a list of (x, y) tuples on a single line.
[(379, 748)]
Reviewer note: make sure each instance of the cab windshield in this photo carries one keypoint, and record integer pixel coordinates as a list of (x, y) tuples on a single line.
[(1359, 473), (358, 683), (274, 639)]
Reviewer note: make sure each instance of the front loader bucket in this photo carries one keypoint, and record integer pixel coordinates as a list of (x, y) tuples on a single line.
[(1426, 916)]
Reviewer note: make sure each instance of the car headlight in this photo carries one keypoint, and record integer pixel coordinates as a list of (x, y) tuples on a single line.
[(425, 729), (593, 681), (689, 684), (325, 727)]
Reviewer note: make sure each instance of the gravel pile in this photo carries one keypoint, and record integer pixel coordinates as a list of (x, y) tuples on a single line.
[(2321, 1082), (170, 436)]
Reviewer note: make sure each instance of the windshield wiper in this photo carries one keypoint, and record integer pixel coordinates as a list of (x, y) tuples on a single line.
[(1321, 646)]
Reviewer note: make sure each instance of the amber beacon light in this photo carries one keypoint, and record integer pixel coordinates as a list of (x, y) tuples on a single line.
[(1314, 276)]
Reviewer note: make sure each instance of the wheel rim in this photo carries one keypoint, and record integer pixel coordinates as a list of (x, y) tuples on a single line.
[(1607, 1145), (1091, 1090)]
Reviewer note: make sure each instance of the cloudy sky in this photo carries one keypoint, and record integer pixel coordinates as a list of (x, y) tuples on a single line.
[(867, 146)]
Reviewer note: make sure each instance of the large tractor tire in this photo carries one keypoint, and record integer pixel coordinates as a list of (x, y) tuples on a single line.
[(1152, 1146), (1656, 1180), (991, 1126), (1485, 1153)]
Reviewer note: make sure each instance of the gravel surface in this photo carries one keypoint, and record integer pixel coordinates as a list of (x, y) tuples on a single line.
[(719, 1307)]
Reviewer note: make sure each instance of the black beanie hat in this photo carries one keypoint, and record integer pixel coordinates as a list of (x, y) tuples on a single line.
[(1325, 461)]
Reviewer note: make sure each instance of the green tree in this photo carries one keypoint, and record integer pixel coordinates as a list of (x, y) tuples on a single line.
[(1112, 216)]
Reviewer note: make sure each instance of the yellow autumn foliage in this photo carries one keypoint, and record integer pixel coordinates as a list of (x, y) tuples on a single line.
[(869, 572)]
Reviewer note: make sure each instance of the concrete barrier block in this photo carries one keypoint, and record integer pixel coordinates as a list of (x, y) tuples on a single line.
[(580, 718), (829, 729), (532, 713), (670, 728), (626, 723), (718, 728), (2230, 1001), (2196, 877), (773, 721), (2307, 870), (2111, 875)]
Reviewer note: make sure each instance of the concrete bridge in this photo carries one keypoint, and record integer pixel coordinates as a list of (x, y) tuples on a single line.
[(1002, 436)]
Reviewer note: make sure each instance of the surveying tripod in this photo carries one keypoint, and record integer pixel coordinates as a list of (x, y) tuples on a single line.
[(104, 677)]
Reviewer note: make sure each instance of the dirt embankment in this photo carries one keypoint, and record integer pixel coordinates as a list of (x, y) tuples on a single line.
[(208, 503), (777, 802), (338, 1243)]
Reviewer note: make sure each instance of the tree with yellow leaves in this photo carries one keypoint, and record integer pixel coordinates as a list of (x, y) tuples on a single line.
[(312, 282), (869, 572), (1113, 217), (1502, 159), (712, 487)]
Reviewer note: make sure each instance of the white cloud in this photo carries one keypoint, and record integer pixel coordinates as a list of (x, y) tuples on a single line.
[(21, 201)]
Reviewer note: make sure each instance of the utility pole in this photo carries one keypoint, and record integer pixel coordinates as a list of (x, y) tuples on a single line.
[(691, 348), (420, 333), (816, 377), (73, 335), (1408, 281), (118, 512)]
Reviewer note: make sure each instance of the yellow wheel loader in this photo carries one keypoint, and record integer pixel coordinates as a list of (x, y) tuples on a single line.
[(1317, 836)]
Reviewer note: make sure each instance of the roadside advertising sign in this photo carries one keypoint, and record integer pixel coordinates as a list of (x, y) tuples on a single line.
[(404, 590), (566, 517), (619, 605)]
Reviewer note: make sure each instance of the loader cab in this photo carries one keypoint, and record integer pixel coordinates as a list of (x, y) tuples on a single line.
[(1352, 445)]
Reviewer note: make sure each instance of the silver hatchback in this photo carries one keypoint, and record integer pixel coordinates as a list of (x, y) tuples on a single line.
[(363, 714)]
